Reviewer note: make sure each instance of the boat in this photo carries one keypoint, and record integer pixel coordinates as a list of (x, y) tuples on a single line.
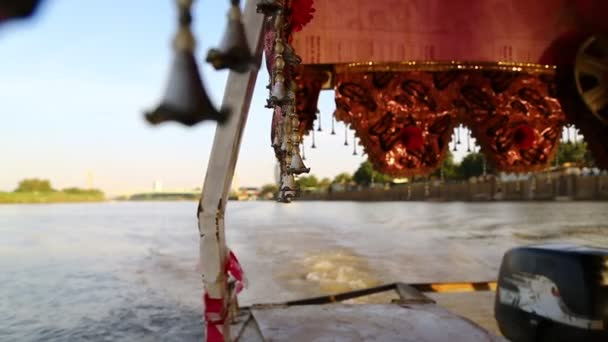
[(405, 74)]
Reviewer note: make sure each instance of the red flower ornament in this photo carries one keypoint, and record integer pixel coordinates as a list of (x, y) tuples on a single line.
[(301, 14), (412, 138), (524, 137)]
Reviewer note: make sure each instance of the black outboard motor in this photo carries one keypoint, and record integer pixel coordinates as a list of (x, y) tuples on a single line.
[(554, 293)]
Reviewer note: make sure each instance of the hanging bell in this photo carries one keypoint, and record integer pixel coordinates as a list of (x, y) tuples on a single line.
[(288, 183), (278, 93), (185, 99), (18, 9), (233, 53), (288, 188), (297, 165), (287, 196), (275, 141), (285, 144)]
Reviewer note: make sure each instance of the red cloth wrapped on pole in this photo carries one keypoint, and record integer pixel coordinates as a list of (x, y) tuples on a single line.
[(214, 317), (234, 269), (215, 310)]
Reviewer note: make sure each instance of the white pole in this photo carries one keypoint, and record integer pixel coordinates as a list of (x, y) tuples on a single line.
[(226, 145)]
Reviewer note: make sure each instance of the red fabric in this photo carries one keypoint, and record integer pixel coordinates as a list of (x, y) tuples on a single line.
[(214, 316), (347, 31), (214, 334), (592, 14), (234, 269), (301, 14), (214, 308), (524, 137), (412, 138)]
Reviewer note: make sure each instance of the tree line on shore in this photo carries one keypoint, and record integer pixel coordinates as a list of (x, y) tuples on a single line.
[(34, 190), (472, 165)]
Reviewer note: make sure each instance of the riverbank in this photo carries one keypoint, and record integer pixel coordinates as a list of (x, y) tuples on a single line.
[(161, 197), (49, 197), (533, 188)]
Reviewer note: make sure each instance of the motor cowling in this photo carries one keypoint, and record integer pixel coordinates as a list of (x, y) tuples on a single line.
[(553, 293)]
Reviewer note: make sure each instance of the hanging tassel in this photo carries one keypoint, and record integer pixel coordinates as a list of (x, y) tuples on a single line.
[(345, 135), (333, 126), (319, 118), (303, 152), (454, 140), (458, 130), (468, 142), (312, 132), (354, 144)]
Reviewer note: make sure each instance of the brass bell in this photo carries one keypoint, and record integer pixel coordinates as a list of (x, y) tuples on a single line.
[(275, 141), (297, 165), (18, 9), (185, 99), (285, 144), (233, 53), (288, 188), (278, 92), (288, 183)]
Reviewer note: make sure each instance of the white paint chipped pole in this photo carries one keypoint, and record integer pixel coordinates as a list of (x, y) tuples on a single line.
[(226, 145)]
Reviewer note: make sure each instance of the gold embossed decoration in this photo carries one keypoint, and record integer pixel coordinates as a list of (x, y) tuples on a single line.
[(403, 125), (514, 119), (404, 114)]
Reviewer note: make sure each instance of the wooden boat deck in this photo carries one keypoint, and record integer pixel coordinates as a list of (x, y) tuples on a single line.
[(338, 322)]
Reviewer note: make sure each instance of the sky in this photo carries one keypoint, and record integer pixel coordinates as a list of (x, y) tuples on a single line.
[(75, 80)]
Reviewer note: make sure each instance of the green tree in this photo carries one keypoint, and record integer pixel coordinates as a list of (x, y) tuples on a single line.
[(269, 191), (472, 165), (450, 168), (342, 178), (79, 191), (365, 174), (307, 182), (34, 185), (574, 153), (324, 183)]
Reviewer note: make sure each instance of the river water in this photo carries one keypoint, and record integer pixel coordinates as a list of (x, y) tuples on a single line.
[(126, 271)]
